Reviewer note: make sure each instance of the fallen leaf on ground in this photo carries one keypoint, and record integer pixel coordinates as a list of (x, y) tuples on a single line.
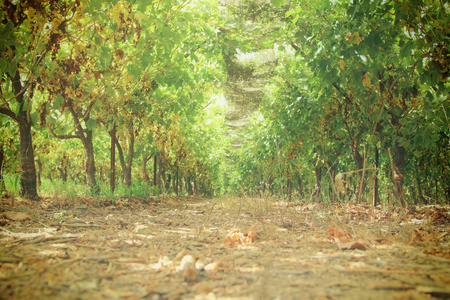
[(338, 234), (351, 245), (164, 262), (16, 216), (236, 237), (212, 267)]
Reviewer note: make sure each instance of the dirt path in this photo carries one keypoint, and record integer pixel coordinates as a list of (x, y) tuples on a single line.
[(176, 249)]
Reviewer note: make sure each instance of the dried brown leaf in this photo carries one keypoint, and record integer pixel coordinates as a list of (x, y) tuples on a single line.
[(338, 234), (236, 237), (352, 245), (16, 216), (212, 267)]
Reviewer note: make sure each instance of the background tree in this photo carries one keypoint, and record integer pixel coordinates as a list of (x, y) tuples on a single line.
[(356, 83), (111, 80), (31, 33)]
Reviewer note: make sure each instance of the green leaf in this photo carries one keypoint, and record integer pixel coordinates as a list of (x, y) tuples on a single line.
[(3, 64), (276, 3), (105, 58), (51, 120), (289, 13), (110, 127), (89, 87), (398, 111), (94, 5), (96, 39), (97, 105), (34, 117), (58, 101), (417, 153), (374, 116), (385, 24), (75, 82), (404, 142), (110, 91), (90, 124), (7, 36), (13, 66), (405, 51), (134, 70), (158, 119), (419, 139)]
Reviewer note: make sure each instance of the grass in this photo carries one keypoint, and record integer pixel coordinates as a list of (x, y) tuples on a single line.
[(12, 183), (64, 192), (388, 221), (58, 188)]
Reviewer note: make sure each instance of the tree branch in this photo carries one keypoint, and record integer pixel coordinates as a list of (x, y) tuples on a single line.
[(79, 128), (9, 113), (346, 97), (121, 156), (62, 136)]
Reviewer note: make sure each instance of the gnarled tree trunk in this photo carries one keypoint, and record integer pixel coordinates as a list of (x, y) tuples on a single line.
[(398, 175), (299, 185), (2, 183), (28, 182), (89, 162), (361, 184), (126, 167), (145, 176), (112, 179), (318, 172), (376, 200), (155, 170)]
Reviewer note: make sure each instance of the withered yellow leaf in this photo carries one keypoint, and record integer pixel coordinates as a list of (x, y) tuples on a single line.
[(356, 38), (341, 64), (366, 81), (339, 183)]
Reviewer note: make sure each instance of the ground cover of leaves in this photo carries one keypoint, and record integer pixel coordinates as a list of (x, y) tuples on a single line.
[(199, 248)]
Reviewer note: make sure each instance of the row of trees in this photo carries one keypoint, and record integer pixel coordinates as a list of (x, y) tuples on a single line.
[(135, 73), (356, 103), (359, 103)]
